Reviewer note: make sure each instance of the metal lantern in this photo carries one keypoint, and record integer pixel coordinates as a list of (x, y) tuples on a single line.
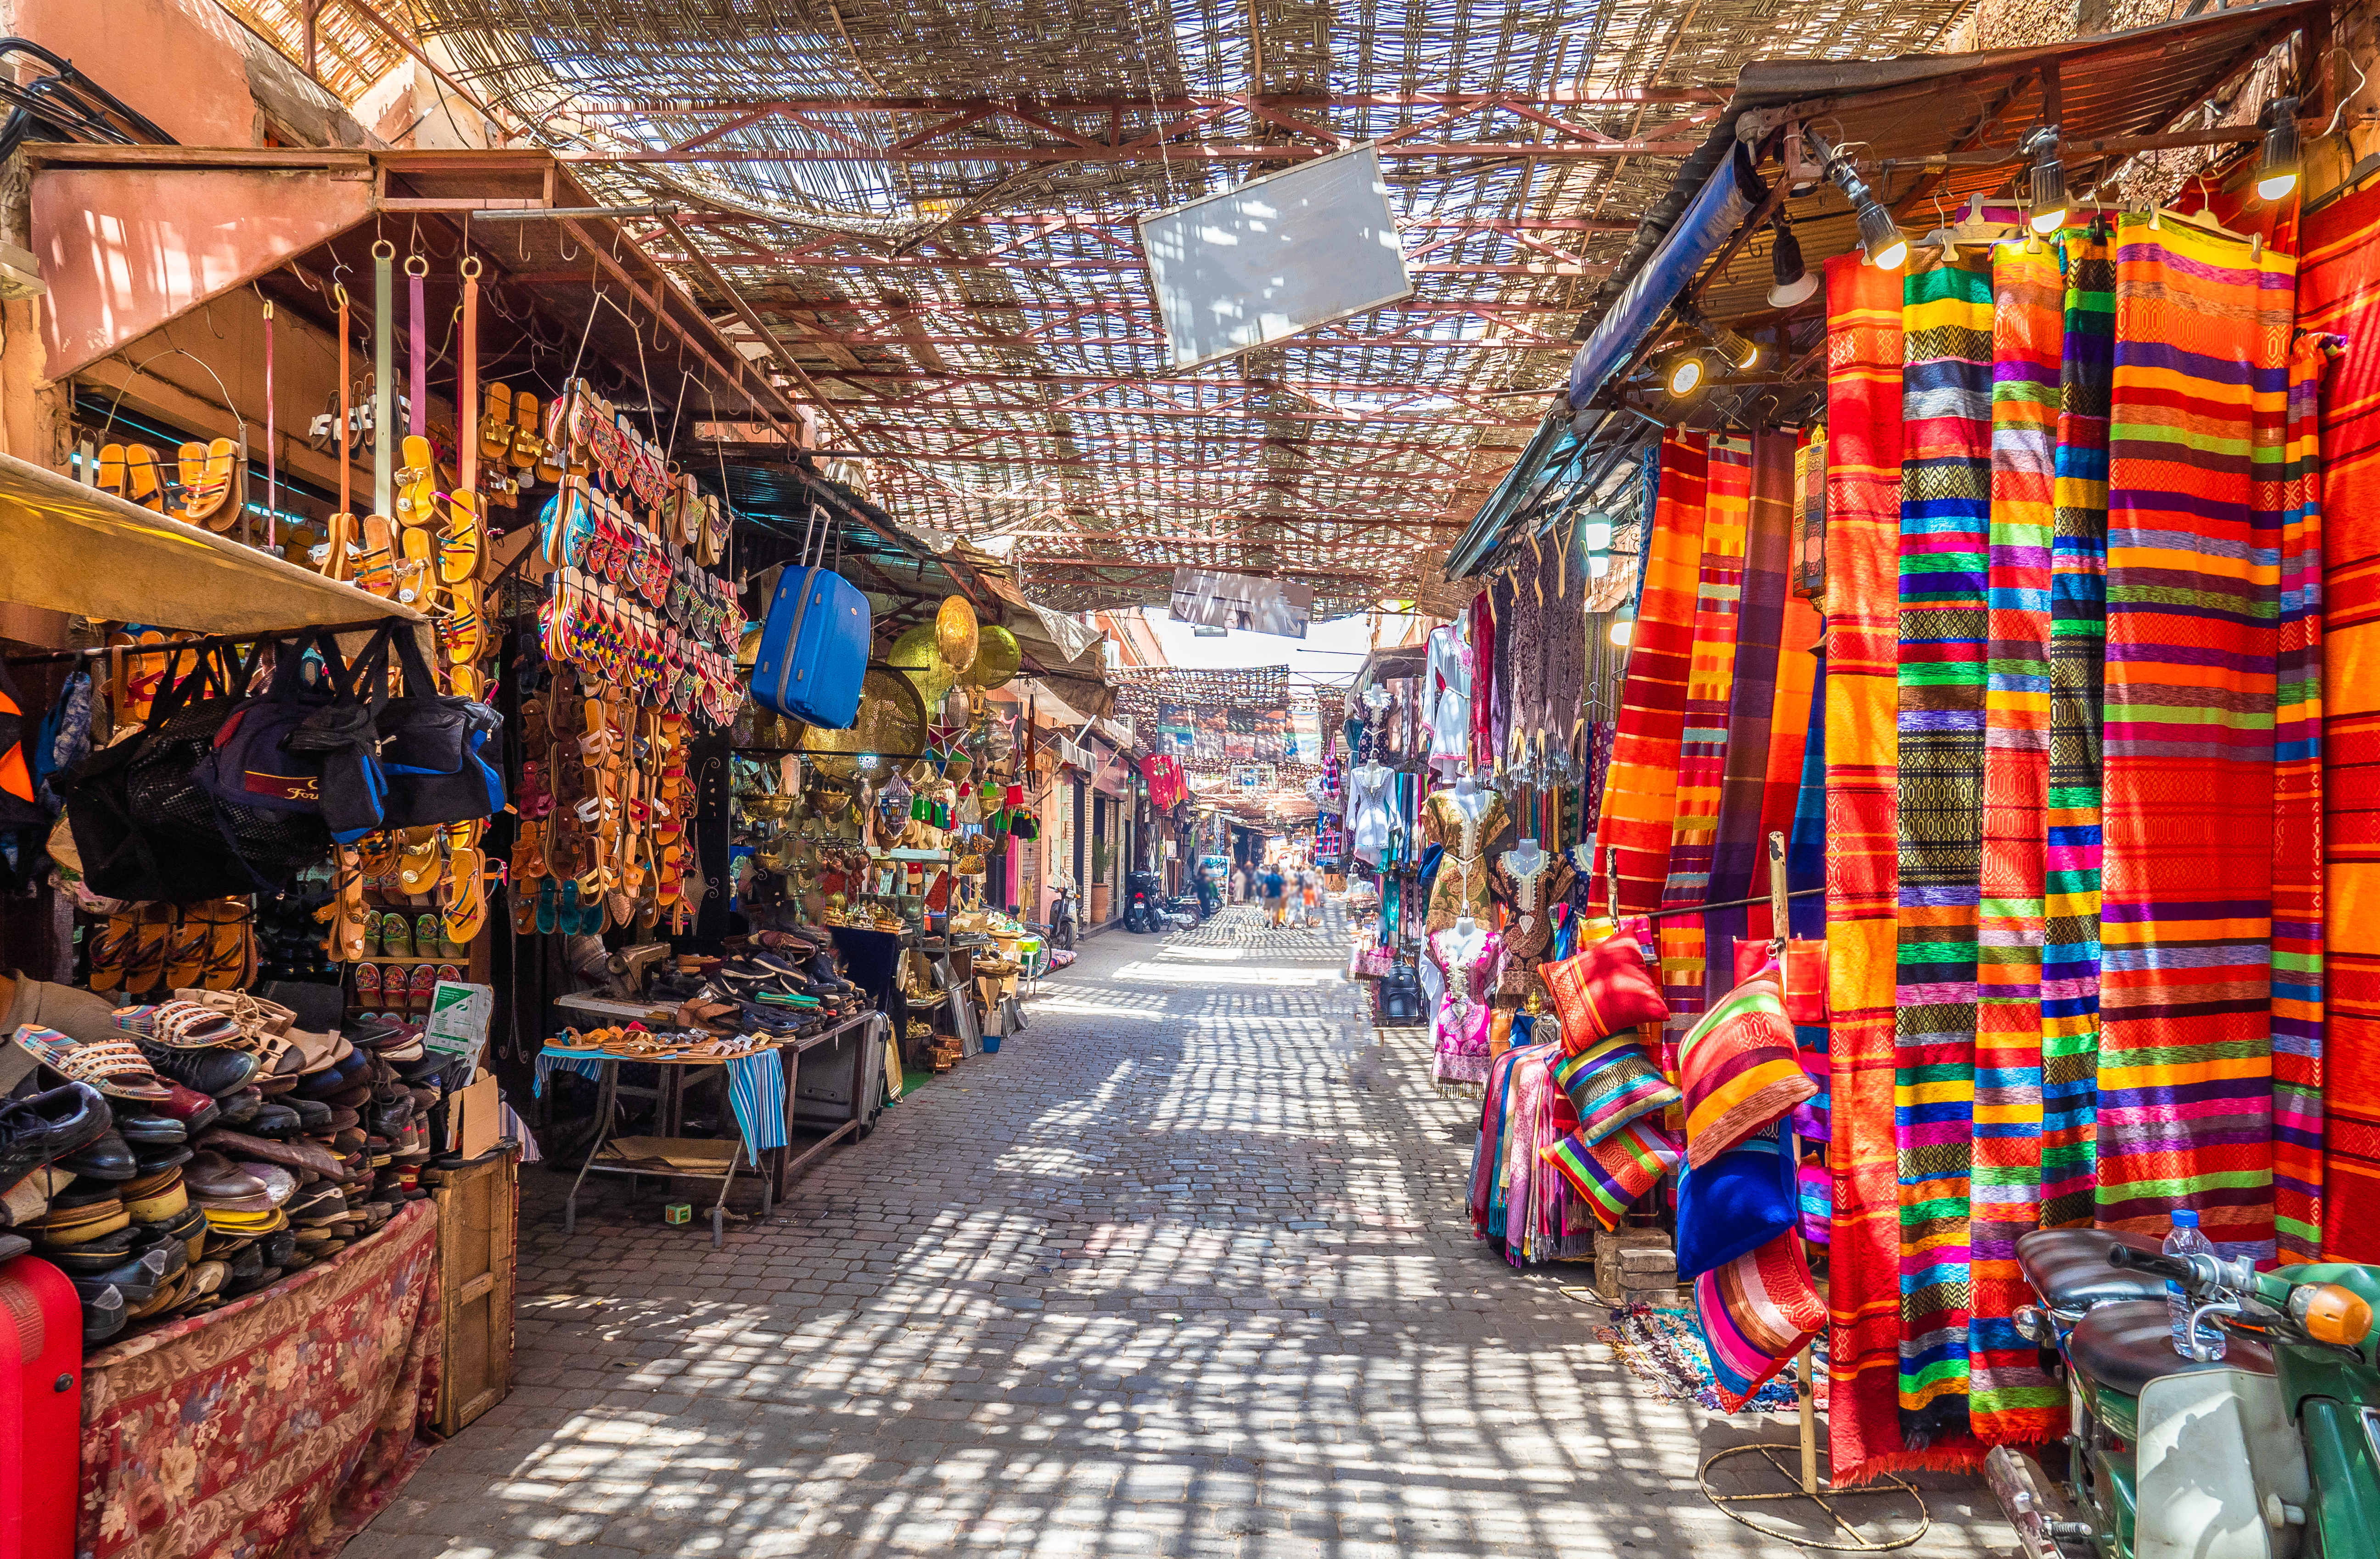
[(1810, 520), (954, 634)]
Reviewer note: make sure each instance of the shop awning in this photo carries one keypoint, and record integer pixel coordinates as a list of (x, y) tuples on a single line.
[(1725, 198), (74, 549)]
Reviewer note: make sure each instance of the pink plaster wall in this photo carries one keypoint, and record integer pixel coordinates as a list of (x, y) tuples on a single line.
[(180, 62)]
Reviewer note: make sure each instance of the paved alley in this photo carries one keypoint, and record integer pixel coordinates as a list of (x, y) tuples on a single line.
[(1184, 1270)]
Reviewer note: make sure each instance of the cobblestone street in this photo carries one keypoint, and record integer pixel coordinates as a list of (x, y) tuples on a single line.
[(1184, 1270)]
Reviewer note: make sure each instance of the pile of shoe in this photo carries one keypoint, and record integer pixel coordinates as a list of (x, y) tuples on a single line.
[(232, 1146), (778, 981)]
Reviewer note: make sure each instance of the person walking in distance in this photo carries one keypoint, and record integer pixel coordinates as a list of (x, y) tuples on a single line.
[(1273, 886)]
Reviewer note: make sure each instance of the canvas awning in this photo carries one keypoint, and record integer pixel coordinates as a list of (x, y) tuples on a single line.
[(74, 549)]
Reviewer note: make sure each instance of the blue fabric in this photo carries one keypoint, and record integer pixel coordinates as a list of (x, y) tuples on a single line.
[(1736, 1203), (1725, 198), (755, 1088), (589, 1067)]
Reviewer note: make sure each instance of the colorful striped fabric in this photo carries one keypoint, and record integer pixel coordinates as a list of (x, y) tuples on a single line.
[(1945, 545), (2193, 587), (1864, 454), (1702, 751), (1757, 1313), (2297, 820), (1640, 786), (2339, 293), (2012, 1399), (1611, 1174), (1610, 1084), (1739, 863), (1739, 1068), (2077, 644)]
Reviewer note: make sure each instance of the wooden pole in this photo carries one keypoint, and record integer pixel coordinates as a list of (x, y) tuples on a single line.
[(1781, 928)]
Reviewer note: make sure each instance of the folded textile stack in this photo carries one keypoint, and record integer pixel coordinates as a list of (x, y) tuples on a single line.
[(213, 1148)]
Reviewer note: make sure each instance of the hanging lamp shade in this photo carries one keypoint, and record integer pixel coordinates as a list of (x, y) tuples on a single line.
[(997, 656), (954, 633), (1595, 534)]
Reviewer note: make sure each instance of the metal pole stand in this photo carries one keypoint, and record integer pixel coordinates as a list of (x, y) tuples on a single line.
[(1846, 1538)]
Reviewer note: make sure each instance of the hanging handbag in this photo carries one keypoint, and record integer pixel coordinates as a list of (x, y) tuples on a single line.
[(146, 829), (304, 745), (433, 747)]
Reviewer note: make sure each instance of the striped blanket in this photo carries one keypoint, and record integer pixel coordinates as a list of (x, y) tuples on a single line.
[(2012, 1399), (2193, 594), (1739, 863), (1945, 542), (1860, 744), (1702, 751), (2078, 640), (1640, 784), (2339, 293)]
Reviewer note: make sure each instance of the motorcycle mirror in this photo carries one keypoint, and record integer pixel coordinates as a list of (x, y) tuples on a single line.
[(2338, 1315)]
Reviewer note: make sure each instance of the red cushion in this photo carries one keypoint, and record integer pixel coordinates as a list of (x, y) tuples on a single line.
[(1602, 990)]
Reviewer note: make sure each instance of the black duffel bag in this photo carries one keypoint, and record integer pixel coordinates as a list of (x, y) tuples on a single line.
[(433, 746), (146, 828)]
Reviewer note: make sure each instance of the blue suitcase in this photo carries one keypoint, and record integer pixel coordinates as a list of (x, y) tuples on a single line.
[(814, 649)]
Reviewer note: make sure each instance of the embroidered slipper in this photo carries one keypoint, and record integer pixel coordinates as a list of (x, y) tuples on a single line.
[(207, 483), (428, 941), (496, 421), (111, 949), (423, 986), (415, 483), (367, 985), (416, 569), (458, 546), (143, 483), (376, 568), (115, 1067), (396, 935)]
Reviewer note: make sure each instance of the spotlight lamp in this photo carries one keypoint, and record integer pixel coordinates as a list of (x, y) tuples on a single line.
[(1741, 353), (1794, 283), (2049, 203), (1685, 374), (1880, 237), (2281, 159)]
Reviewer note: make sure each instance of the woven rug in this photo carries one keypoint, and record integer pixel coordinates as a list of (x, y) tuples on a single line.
[(2193, 586), (2339, 293), (1945, 542), (1865, 349), (2078, 645), (2298, 898), (1664, 1349), (1640, 785), (1702, 748), (1739, 863), (2012, 1399)]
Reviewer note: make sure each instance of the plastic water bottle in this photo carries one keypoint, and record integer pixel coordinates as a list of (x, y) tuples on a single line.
[(2186, 1241)]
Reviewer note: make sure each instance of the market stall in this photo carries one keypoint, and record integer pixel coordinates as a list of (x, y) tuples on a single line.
[(1945, 863)]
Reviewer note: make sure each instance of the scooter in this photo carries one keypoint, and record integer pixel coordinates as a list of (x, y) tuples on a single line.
[(1061, 929), (1143, 914), (2270, 1452)]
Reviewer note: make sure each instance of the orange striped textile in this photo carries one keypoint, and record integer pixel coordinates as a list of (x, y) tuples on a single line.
[(1639, 788)]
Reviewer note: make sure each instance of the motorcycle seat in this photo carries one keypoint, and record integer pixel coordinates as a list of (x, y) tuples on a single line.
[(2127, 1344), (2068, 1267)]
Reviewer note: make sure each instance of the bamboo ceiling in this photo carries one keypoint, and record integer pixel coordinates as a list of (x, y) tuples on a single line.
[(932, 206)]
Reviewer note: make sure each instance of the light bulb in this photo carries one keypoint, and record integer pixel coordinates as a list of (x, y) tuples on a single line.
[(1622, 629), (1686, 374)]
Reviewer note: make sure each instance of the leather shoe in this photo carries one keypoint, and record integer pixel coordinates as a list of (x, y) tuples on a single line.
[(214, 1180), (151, 1131), (277, 1121), (47, 1127), (212, 1073), (136, 1278), (239, 1108), (195, 1110), (103, 1315), (299, 1154), (105, 1157)]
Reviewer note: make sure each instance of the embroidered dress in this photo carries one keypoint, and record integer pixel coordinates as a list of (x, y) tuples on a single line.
[(1528, 900), (1467, 839), (1459, 1032), (1446, 699), (1367, 811)]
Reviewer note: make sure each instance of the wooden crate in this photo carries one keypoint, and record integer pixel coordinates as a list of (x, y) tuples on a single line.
[(479, 1211)]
